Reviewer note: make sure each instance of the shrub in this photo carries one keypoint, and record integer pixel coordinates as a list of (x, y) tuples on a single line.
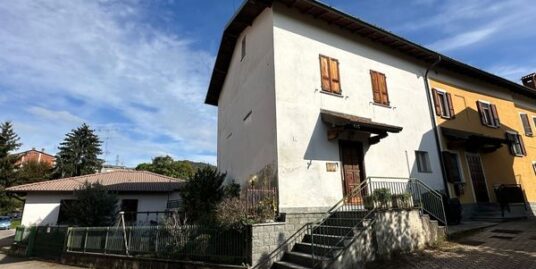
[(232, 213), (383, 197), (403, 200)]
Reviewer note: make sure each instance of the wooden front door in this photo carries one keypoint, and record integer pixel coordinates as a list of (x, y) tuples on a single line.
[(352, 167), (477, 177)]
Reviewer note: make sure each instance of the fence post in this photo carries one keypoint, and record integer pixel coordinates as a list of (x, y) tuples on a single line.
[(31, 240), (156, 241), (106, 240), (85, 240)]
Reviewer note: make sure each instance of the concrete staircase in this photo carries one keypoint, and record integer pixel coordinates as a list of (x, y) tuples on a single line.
[(325, 241), (492, 212)]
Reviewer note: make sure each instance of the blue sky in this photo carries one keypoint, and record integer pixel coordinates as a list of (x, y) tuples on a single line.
[(137, 70)]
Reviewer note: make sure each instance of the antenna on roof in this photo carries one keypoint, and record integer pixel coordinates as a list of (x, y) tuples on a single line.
[(107, 136)]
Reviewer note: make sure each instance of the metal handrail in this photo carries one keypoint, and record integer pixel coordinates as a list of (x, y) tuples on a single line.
[(341, 241), (423, 207)]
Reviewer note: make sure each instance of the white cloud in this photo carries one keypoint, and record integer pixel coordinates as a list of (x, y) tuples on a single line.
[(462, 39), (512, 72), (100, 53)]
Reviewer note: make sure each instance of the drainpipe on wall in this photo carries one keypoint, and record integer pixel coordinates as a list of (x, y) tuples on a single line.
[(433, 120)]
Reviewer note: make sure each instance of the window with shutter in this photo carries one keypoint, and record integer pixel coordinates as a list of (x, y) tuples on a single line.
[(517, 148), (488, 114), (379, 88), (526, 124), (330, 76), (452, 167), (443, 104)]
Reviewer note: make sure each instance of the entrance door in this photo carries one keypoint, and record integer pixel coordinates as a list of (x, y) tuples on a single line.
[(352, 167), (477, 176)]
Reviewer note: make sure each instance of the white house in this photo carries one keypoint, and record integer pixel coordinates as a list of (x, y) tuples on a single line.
[(309, 104), (143, 196)]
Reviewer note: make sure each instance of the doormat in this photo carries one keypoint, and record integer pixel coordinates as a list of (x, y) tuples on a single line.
[(471, 242), (505, 231), (502, 237)]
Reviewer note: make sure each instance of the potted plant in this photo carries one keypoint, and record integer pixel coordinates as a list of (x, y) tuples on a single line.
[(382, 198), (402, 201)]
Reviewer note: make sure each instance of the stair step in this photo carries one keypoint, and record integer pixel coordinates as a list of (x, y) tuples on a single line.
[(344, 222), (322, 250), (349, 214), (302, 259), (334, 230), (287, 265), (330, 240)]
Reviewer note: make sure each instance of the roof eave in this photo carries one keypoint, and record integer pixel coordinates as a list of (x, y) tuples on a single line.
[(245, 16)]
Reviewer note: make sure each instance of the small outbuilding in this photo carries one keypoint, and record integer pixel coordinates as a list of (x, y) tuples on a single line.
[(145, 197)]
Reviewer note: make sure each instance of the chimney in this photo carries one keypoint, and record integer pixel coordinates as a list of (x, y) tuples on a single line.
[(42, 149), (529, 80)]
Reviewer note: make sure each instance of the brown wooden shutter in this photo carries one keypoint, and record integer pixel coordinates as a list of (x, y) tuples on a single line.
[(324, 73), (481, 111), (495, 115), (451, 106), (382, 82), (523, 150), (334, 75), (375, 87), (526, 124), (437, 102)]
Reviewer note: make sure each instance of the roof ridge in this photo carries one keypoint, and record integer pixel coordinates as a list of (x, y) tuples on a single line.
[(160, 175)]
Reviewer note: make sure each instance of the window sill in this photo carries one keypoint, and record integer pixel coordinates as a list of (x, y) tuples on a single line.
[(381, 105), (332, 94), (491, 126)]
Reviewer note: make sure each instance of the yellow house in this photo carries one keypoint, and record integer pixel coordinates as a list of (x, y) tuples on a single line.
[(486, 135)]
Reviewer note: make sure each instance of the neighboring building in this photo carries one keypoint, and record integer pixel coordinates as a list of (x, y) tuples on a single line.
[(486, 132), (313, 101), (111, 168), (138, 191), (37, 156)]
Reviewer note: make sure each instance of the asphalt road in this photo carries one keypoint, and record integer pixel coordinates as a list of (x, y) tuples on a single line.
[(6, 237)]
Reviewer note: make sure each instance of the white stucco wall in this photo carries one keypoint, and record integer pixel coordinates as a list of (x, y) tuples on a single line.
[(43, 208), (302, 145), (246, 147)]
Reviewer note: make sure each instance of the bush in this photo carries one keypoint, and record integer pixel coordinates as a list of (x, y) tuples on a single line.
[(232, 213), (402, 201), (202, 193)]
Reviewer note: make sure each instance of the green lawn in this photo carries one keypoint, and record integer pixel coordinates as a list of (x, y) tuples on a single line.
[(15, 223)]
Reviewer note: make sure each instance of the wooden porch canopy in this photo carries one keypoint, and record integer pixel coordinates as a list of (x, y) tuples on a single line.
[(339, 122), (471, 142)]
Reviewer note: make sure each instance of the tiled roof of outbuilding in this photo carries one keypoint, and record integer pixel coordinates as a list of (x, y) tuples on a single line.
[(121, 181)]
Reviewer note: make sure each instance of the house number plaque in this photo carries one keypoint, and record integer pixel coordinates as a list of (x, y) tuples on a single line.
[(331, 167)]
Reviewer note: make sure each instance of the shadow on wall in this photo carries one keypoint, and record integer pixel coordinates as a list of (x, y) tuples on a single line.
[(465, 135), (320, 148)]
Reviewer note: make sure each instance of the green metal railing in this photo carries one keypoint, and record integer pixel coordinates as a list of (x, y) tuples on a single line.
[(188, 242)]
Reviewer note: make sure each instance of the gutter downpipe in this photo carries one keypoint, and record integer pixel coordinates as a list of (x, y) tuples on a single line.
[(433, 121)]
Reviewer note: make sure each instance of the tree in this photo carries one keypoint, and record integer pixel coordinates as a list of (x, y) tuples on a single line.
[(34, 171), (9, 142), (202, 193), (165, 165), (94, 206), (78, 153)]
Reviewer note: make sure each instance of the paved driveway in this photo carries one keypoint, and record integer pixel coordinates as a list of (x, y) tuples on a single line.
[(509, 245), (6, 237)]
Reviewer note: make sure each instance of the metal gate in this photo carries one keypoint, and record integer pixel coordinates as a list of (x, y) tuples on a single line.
[(47, 242)]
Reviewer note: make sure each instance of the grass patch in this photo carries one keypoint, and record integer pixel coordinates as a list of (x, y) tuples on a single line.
[(15, 223)]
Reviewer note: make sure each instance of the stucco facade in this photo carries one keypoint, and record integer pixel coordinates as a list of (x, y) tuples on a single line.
[(44, 208), (269, 110), (499, 166)]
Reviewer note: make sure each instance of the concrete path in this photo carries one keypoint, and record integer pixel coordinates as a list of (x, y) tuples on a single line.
[(6, 237), (510, 245)]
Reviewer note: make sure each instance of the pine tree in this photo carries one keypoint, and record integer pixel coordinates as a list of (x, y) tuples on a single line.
[(9, 142), (78, 153)]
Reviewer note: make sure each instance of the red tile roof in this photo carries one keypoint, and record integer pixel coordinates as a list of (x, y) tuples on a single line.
[(121, 181)]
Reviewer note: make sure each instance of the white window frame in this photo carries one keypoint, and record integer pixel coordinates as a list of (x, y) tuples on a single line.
[(443, 103), (488, 116), (427, 168)]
